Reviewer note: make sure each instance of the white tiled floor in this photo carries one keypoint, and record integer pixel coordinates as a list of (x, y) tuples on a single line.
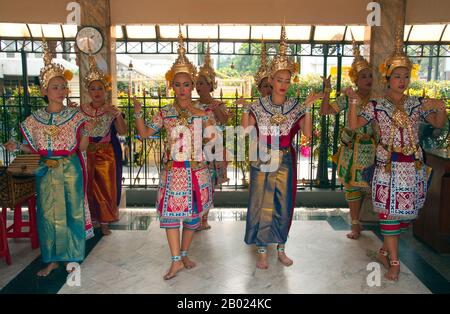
[(134, 261), (324, 262)]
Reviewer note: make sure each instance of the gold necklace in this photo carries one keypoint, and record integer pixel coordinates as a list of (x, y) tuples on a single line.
[(277, 118), (364, 99), (183, 114), (399, 116), (96, 116), (51, 131), (401, 121), (398, 104)]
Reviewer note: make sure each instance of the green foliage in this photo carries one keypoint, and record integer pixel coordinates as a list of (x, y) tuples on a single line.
[(12, 111)]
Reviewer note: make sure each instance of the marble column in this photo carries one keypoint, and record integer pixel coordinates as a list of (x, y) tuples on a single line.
[(97, 13), (382, 38)]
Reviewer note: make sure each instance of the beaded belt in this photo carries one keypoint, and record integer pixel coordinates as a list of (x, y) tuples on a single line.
[(54, 162), (193, 164), (281, 150), (92, 147), (363, 137), (405, 150)]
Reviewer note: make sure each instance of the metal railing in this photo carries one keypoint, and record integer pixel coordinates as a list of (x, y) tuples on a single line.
[(141, 159)]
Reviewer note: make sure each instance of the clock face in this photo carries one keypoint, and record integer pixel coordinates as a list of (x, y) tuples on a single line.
[(89, 38)]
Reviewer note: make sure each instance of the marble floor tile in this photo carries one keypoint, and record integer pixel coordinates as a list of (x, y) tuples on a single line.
[(325, 261)]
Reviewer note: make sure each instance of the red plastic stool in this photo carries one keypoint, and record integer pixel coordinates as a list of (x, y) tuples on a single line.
[(4, 249), (15, 230)]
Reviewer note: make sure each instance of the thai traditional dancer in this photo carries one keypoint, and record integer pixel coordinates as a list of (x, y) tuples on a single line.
[(272, 189), (58, 134), (185, 186), (357, 148), (399, 184), (104, 153), (205, 84)]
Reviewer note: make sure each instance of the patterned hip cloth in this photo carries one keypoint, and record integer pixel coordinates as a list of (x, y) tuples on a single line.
[(191, 224), (353, 194)]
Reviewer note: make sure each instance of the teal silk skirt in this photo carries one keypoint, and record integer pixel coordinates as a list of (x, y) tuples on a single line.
[(60, 209)]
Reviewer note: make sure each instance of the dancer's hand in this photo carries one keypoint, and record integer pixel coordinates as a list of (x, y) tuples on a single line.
[(436, 104), (312, 98), (354, 98), (241, 101), (10, 146), (113, 110), (326, 83), (215, 104), (137, 105)]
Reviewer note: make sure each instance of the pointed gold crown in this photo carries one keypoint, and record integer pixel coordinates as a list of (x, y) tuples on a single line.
[(207, 71), (182, 63), (95, 74), (281, 61), (397, 59), (263, 70), (50, 69), (359, 63)]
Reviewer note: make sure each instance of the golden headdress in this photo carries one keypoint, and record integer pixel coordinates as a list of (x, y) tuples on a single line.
[(50, 69), (281, 61), (182, 63), (207, 70), (95, 74), (396, 60), (263, 70), (358, 64)]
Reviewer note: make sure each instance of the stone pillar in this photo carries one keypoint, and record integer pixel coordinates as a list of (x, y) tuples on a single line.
[(97, 13), (382, 38)]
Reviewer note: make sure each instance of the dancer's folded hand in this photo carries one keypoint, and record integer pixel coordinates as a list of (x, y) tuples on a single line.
[(137, 105), (10, 146)]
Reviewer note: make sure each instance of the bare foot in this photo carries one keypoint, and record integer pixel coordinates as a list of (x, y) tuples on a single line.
[(188, 264), (383, 258), (286, 261), (393, 272), (105, 229), (204, 226), (174, 269), (262, 262), (355, 233), (47, 270), (95, 224)]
